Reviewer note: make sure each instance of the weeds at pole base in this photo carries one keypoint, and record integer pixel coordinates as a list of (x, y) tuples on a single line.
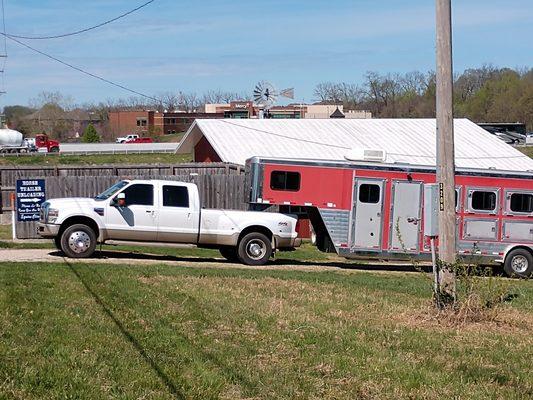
[(479, 295)]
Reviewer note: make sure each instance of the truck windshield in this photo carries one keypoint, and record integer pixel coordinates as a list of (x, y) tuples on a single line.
[(106, 194)]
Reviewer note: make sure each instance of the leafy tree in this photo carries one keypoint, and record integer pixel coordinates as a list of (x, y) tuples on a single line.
[(90, 135)]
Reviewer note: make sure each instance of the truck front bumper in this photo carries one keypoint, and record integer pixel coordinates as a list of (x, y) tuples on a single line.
[(47, 230)]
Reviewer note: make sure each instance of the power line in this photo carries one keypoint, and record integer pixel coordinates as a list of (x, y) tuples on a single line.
[(280, 135), (81, 70), (9, 35), (4, 56)]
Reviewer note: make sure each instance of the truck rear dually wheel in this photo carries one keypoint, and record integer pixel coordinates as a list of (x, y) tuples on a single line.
[(78, 241), (254, 249), (519, 263), (229, 253)]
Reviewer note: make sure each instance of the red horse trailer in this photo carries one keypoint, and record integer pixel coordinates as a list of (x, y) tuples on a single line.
[(376, 210)]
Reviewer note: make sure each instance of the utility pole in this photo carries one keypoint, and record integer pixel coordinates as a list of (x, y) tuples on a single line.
[(445, 154)]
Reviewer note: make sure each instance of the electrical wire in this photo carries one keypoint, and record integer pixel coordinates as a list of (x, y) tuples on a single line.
[(90, 28), (349, 148), (287, 137), (4, 56), (81, 70)]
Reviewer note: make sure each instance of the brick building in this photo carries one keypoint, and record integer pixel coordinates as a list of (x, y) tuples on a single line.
[(147, 122), (247, 109)]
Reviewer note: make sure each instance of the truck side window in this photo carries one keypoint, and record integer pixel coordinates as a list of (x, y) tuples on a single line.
[(175, 196), (140, 194), (483, 201), (522, 202), (285, 180), (368, 193)]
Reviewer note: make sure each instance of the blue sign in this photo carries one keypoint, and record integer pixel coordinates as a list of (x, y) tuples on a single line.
[(31, 193)]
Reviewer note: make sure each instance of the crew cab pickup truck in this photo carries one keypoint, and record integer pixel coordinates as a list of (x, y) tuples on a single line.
[(163, 211), (124, 139)]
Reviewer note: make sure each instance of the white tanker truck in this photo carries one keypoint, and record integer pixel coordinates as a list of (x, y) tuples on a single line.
[(12, 141)]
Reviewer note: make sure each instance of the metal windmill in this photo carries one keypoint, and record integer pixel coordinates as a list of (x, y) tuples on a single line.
[(265, 94)]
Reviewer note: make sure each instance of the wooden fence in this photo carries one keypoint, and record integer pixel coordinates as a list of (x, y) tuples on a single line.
[(10, 174), (216, 191)]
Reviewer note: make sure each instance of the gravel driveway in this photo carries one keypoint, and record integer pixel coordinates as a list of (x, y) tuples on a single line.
[(119, 257)]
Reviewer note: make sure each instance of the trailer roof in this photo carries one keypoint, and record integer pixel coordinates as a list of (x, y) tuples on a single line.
[(409, 141)]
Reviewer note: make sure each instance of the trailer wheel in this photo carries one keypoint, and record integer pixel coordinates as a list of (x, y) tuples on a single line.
[(229, 253), (519, 263), (254, 249), (78, 241)]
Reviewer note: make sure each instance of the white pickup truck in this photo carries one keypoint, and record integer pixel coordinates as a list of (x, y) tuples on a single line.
[(163, 211), (124, 139)]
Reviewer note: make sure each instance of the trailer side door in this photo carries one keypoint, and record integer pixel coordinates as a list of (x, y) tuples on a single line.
[(365, 230), (405, 217)]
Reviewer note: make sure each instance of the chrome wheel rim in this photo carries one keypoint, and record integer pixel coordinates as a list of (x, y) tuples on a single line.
[(519, 264), (79, 242), (256, 249)]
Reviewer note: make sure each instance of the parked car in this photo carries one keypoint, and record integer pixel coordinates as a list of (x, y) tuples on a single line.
[(139, 140), (163, 211), (124, 139), (529, 138)]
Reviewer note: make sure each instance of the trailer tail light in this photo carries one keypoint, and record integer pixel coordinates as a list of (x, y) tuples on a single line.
[(344, 245)]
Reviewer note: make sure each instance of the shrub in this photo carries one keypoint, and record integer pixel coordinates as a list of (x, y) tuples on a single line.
[(90, 135)]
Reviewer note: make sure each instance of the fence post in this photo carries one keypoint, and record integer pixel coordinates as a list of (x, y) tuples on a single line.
[(13, 218)]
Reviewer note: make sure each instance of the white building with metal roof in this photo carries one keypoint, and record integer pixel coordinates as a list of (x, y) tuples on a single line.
[(409, 141)]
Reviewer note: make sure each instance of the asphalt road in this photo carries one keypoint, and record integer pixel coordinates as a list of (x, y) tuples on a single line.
[(106, 148)]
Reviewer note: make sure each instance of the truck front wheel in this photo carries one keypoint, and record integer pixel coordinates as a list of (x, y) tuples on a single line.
[(78, 241), (254, 249)]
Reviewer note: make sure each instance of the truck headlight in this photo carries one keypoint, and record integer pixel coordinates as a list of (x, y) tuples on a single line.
[(52, 215)]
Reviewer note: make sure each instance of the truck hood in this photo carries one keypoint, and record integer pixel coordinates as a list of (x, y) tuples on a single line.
[(74, 203)]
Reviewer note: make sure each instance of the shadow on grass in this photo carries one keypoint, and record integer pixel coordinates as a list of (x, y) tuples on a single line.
[(118, 255), (155, 367), (230, 372)]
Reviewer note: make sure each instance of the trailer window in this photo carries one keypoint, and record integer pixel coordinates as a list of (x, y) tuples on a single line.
[(175, 196), (285, 180), (140, 193), (483, 201), (369, 193), (522, 202)]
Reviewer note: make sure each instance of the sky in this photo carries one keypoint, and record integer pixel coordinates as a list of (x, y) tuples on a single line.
[(229, 45)]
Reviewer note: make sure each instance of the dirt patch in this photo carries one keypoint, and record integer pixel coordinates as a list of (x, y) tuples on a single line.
[(502, 319)]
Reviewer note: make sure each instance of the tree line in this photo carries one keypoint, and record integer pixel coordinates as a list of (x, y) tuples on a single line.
[(486, 94)]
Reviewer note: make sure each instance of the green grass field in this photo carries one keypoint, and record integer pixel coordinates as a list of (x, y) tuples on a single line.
[(57, 159), (527, 150), (155, 332), (172, 138)]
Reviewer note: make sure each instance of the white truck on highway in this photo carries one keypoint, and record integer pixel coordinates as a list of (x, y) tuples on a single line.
[(163, 211)]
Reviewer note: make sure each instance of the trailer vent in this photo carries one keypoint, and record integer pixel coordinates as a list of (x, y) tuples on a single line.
[(366, 155)]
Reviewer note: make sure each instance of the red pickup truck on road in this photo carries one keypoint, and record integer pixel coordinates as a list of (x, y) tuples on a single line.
[(139, 140)]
